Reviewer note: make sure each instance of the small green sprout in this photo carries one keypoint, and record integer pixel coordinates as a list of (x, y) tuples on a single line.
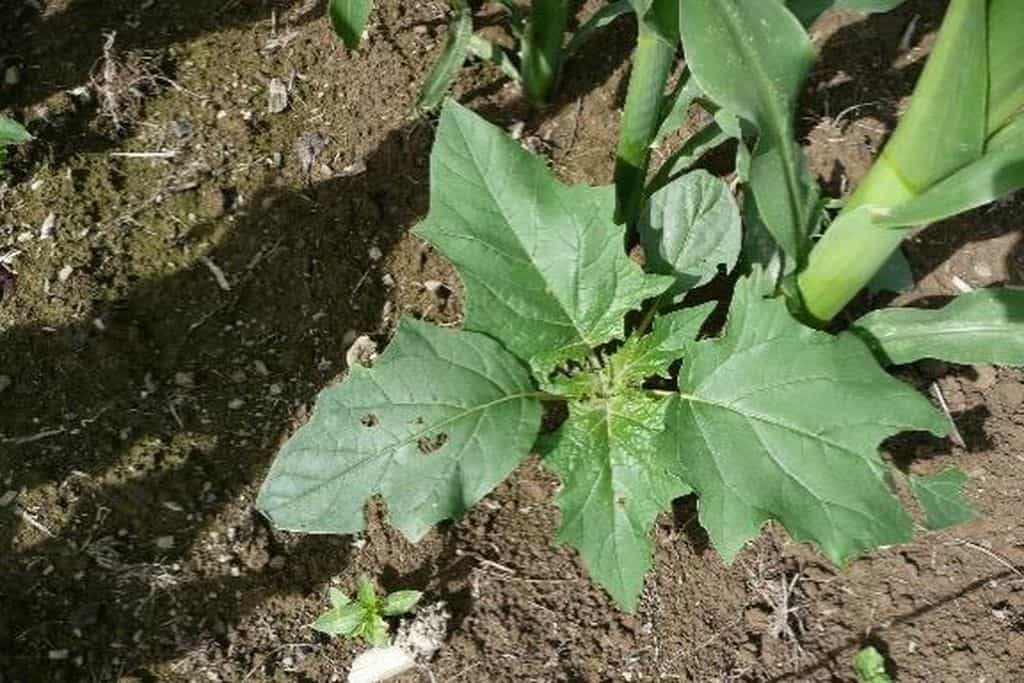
[(363, 617), (869, 665)]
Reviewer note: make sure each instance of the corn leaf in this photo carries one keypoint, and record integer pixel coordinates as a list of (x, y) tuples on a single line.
[(436, 424), (752, 58), (348, 18), (983, 326), (484, 49), (618, 473), (946, 126), (995, 175), (775, 420), (601, 18), (941, 498), (661, 17), (453, 56), (543, 264), (807, 11), (689, 228), (1005, 62), (688, 154)]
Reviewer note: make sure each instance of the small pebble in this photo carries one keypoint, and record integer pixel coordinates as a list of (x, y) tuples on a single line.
[(5, 383), (276, 390), (12, 75), (362, 352), (48, 230), (165, 542), (59, 654), (65, 273), (387, 280), (375, 253), (261, 368), (236, 403), (186, 380), (277, 96), (277, 562)]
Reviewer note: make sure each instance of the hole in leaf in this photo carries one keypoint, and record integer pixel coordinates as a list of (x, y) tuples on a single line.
[(428, 445), (369, 420)]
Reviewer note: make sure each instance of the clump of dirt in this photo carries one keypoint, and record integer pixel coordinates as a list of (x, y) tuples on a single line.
[(182, 310)]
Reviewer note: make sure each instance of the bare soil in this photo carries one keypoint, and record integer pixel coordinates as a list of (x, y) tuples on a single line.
[(174, 322)]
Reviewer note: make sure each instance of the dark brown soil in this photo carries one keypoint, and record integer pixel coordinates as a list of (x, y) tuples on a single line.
[(146, 402)]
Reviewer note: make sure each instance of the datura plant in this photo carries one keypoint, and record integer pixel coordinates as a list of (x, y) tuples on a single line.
[(765, 419), (364, 616)]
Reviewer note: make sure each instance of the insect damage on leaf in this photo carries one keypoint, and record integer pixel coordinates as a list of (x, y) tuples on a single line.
[(439, 421)]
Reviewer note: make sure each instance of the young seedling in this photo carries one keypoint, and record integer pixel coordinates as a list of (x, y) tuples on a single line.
[(772, 419), (11, 133), (869, 665), (363, 617)]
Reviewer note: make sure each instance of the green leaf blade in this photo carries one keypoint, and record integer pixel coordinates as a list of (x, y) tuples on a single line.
[(436, 424), (689, 228), (983, 326), (617, 476), (341, 621), (778, 421), (996, 174), (400, 602), (941, 498), (348, 18), (453, 56), (650, 355), (752, 59), (542, 263)]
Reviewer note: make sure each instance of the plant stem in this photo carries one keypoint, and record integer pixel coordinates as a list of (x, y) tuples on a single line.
[(853, 249), (933, 139), (652, 63), (542, 48)]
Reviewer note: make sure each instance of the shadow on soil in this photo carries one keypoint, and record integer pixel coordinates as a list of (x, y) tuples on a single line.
[(152, 423)]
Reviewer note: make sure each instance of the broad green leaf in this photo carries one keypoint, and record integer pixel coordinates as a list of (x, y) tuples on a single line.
[(983, 326), (341, 621), (752, 59), (895, 276), (1006, 67), (483, 49), (617, 473), (542, 263), (807, 11), (869, 665), (601, 18), (946, 125), (996, 174), (338, 599), (438, 422), (779, 421), (400, 602), (348, 17), (689, 228), (650, 355), (941, 498), (453, 56), (12, 132)]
